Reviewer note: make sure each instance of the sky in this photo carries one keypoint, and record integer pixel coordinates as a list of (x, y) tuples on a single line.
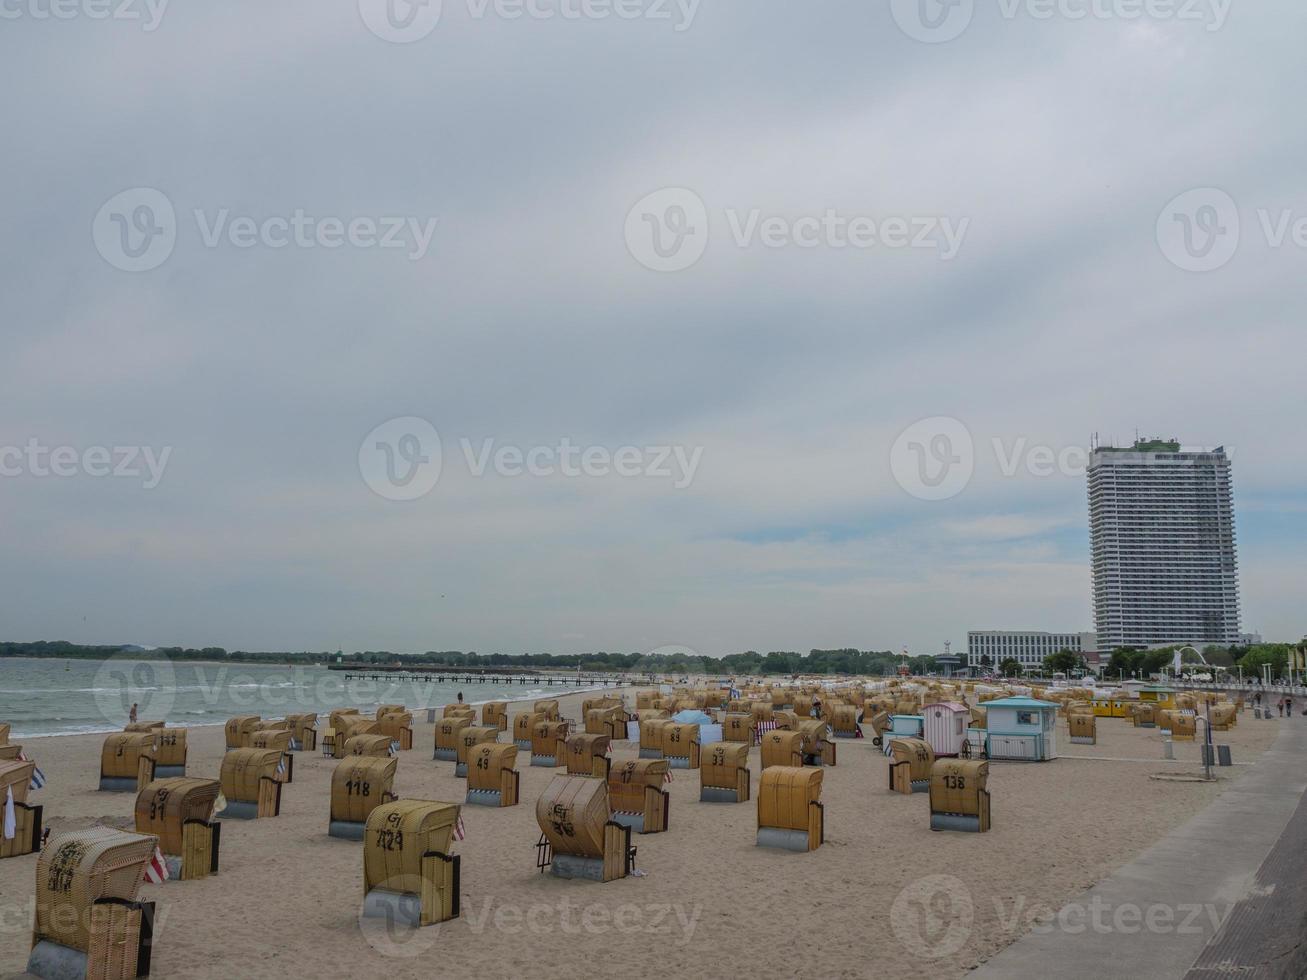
[(628, 324)]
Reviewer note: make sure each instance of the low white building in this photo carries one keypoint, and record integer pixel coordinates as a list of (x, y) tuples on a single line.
[(1027, 647)]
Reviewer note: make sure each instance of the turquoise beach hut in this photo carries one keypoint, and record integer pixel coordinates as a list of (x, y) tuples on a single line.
[(1021, 728)]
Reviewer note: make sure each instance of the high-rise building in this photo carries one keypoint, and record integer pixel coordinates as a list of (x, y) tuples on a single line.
[(1161, 524)]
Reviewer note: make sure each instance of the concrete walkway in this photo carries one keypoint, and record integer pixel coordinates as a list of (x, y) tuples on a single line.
[(1154, 917)]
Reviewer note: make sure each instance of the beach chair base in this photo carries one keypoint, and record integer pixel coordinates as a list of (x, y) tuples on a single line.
[(633, 820), (679, 762), (1082, 740), (786, 840), (485, 797), (460, 770), (446, 755), (400, 908), (572, 866), (544, 760), (240, 810), (718, 794), (955, 821), (523, 744), (651, 754), (169, 772), (346, 829)]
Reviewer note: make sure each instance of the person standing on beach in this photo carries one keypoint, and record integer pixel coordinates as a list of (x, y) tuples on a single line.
[(131, 715), (460, 697)]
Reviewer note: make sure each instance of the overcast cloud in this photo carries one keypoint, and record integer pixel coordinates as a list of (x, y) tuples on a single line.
[(453, 240)]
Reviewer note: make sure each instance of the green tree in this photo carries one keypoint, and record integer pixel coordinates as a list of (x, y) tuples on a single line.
[(1063, 662), (1010, 667)]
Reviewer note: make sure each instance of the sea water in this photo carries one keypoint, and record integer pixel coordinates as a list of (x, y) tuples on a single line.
[(66, 697)]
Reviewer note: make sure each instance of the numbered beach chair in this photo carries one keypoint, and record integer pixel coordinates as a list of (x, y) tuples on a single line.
[(958, 797), (449, 733), (410, 875), (491, 778), (724, 773), (359, 784), (910, 765), (681, 745), (548, 743), (637, 795), (239, 729), (127, 762), (587, 755), (179, 811), (577, 838), (471, 736), (250, 783), (790, 814)]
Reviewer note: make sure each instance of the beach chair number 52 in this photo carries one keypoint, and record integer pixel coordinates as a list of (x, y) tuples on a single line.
[(358, 787), (955, 782)]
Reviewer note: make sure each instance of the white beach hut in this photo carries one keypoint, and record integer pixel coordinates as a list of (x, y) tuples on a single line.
[(945, 726)]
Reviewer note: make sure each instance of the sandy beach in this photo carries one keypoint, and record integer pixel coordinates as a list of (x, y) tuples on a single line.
[(287, 896)]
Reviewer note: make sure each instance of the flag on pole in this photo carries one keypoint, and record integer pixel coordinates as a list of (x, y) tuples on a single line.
[(219, 805), (281, 765), (667, 776), (11, 821), (394, 746), (157, 870), (460, 831)]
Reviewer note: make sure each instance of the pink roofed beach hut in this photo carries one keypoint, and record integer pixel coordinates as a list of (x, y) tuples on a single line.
[(945, 726)]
